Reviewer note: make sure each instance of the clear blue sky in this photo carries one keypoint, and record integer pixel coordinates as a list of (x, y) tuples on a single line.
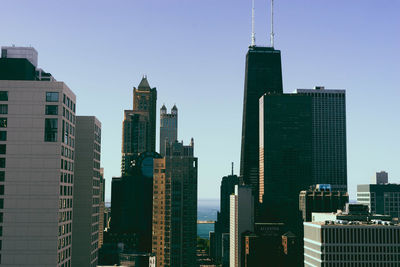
[(194, 53)]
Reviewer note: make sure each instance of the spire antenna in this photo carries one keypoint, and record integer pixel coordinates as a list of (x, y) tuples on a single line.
[(253, 34), (272, 23)]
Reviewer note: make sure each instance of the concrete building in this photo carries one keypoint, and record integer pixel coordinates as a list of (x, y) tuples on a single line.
[(168, 127), (329, 154), (175, 207), (382, 198), (87, 189), (37, 146), (241, 220), (351, 238), (321, 198), (139, 125)]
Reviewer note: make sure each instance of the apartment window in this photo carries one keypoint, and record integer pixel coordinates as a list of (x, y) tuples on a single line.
[(50, 130), (3, 122), (2, 162), (3, 109), (3, 95), (2, 175), (51, 109), (51, 96), (2, 149), (3, 136)]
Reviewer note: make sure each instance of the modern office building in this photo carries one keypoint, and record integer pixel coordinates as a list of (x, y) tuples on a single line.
[(381, 198), (102, 208), (37, 146), (320, 198), (263, 75), (139, 125), (351, 238), (87, 197), (175, 207), (241, 221), (168, 127), (329, 156)]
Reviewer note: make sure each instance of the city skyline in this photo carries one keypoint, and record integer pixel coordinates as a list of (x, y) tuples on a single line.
[(201, 74)]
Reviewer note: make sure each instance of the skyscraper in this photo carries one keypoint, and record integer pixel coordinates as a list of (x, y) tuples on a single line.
[(329, 156), (87, 198), (263, 75), (175, 207), (37, 146), (168, 127), (139, 126)]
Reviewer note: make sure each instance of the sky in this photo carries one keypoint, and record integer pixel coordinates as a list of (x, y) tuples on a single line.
[(193, 52)]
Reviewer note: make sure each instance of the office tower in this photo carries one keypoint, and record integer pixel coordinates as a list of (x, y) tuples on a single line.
[(222, 224), (285, 156), (102, 208), (241, 220), (37, 143), (329, 156), (175, 207), (380, 178), (380, 198), (168, 127), (351, 238), (263, 75), (139, 126), (321, 198), (28, 53), (131, 205), (86, 200)]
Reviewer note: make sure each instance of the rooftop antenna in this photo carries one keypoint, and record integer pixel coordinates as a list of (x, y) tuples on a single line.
[(253, 34), (232, 168), (272, 23)]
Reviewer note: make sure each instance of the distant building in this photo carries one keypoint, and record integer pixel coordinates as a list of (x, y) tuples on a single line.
[(380, 178), (86, 200), (175, 206), (352, 238), (168, 127), (320, 198), (102, 209), (381, 198), (28, 53), (139, 125), (241, 220), (328, 132)]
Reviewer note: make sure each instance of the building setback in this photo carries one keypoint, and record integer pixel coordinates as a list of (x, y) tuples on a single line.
[(168, 127), (87, 197), (37, 144)]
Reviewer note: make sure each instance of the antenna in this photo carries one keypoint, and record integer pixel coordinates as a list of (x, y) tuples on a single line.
[(272, 23), (232, 168), (253, 34)]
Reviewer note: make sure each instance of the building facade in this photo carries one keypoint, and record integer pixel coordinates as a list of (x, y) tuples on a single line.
[(168, 127), (87, 197), (102, 208), (175, 207), (329, 153)]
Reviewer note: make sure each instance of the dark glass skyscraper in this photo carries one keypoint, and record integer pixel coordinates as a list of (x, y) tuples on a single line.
[(263, 76)]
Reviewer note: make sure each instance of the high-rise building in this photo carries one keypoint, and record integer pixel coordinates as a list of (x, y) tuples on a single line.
[(139, 126), (321, 198), (37, 147), (175, 207), (102, 208), (329, 156), (263, 75), (86, 200), (168, 127), (381, 198), (380, 178), (241, 221), (28, 53)]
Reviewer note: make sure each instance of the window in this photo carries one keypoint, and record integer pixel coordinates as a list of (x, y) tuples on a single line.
[(3, 136), (3, 95), (3, 109), (2, 189), (1, 203), (3, 122), (3, 149), (2, 162), (50, 109), (51, 96), (50, 130), (2, 174)]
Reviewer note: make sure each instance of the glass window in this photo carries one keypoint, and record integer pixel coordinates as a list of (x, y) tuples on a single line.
[(3, 95), (51, 96), (1, 203), (2, 162), (51, 109), (50, 130), (3, 136), (3, 122), (3, 109), (3, 149), (2, 174), (2, 189)]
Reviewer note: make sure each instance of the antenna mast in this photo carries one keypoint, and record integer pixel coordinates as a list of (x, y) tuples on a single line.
[(272, 23), (253, 34)]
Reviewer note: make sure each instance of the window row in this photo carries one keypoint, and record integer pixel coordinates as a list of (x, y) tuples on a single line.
[(69, 103), (67, 165)]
